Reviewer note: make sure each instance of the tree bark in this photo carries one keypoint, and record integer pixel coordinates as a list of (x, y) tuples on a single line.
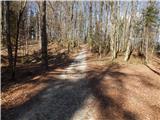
[(90, 25), (130, 30), (44, 37), (113, 30), (146, 43), (17, 37), (8, 37)]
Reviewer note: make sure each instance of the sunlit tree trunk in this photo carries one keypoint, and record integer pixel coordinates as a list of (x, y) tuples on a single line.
[(106, 38), (125, 26), (146, 44), (101, 25), (113, 30), (131, 32)]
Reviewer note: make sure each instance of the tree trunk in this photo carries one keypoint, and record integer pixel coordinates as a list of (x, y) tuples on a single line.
[(39, 30), (16, 49), (146, 43), (44, 37), (131, 34), (90, 25), (17, 37), (124, 35), (128, 51), (8, 37), (113, 30)]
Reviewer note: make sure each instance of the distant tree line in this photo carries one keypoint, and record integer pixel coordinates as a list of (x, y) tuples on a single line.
[(106, 26)]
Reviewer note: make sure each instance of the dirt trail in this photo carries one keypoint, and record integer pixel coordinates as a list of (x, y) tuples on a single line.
[(69, 99), (90, 89)]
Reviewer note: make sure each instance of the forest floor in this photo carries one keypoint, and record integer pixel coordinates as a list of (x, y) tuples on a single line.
[(85, 88)]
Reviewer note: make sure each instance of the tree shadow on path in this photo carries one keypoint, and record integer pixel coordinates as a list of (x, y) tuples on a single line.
[(60, 99), (110, 107)]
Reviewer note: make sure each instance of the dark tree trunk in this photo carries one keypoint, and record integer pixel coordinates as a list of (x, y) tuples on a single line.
[(8, 37), (16, 50), (17, 37), (44, 37), (90, 26)]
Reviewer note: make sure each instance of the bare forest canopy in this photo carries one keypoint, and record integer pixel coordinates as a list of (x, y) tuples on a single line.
[(107, 27)]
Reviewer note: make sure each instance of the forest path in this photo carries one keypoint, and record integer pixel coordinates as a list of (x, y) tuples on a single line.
[(90, 89), (67, 99)]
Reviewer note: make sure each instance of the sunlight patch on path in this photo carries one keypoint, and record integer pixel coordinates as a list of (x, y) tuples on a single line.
[(77, 69), (87, 112)]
